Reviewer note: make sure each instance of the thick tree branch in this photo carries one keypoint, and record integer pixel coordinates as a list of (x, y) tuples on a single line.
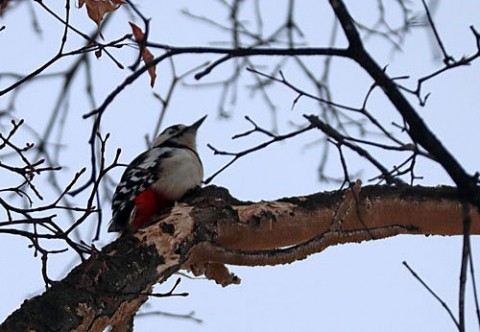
[(417, 129), (211, 228)]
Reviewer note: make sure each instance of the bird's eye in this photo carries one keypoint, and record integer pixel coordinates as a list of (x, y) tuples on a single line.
[(172, 131)]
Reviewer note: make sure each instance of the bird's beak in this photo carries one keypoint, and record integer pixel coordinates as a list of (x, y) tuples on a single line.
[(197, 123)]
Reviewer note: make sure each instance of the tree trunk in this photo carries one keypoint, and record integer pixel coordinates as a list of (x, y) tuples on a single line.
[(210, 229)]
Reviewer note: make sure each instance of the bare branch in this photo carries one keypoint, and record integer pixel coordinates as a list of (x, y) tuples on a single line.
[(438, 298)]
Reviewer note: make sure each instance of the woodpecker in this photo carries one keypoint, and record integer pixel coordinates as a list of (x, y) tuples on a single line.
[(157, 178)]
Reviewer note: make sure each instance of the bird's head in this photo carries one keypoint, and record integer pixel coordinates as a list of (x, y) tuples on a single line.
[(180, 134)]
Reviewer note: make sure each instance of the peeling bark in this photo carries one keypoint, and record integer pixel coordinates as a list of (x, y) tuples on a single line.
[(210, 229)]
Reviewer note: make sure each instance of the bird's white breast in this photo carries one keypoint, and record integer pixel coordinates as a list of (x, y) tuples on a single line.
[(179, 173)]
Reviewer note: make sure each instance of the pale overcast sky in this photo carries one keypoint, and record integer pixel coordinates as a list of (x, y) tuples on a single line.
[(356, 287)]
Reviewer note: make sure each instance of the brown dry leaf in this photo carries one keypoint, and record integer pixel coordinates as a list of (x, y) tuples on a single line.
[(96, 9), (3, 6), (147, 56)]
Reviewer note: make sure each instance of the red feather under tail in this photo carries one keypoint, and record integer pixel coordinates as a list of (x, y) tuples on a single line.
[(147, 205)]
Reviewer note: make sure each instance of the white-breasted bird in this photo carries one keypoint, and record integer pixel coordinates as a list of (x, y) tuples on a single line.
[(157, 178)]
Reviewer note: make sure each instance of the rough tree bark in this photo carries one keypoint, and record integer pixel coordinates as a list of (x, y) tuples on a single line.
[(210, 229)]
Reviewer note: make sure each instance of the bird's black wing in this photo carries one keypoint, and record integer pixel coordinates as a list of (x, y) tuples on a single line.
[(141, 173)]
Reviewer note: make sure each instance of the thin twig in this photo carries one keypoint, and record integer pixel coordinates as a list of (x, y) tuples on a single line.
[(444, 305)]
